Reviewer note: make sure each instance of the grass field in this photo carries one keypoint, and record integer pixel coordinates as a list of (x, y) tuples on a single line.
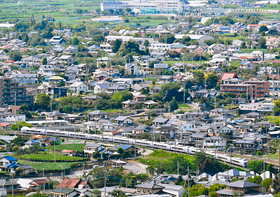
[(75, 147), (50, 166), (50, 158), (164, 157)]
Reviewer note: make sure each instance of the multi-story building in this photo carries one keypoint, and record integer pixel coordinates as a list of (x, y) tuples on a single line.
[(147, 6), (12, 93), (255, 89)]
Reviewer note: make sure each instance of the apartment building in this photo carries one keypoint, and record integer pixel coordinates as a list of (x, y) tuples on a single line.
[(255, 89), (12, 93)]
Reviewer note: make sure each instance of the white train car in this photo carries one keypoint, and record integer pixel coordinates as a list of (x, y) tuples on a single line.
[(160, 145)]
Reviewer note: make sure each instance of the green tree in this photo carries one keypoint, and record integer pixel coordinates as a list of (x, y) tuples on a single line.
[(117, 193), (120, 150), (173, 104), (146, 43), (75, 40), (263, 28), (45, 61), (266, 183), (15, 56), (116, 46), (20, 124), (262, 43), (42, 100)]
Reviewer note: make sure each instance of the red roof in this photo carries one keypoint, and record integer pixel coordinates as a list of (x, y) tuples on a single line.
[(67, 151), (276, 62), (226, 76), (69, 183), (10, 61), (3, 124)]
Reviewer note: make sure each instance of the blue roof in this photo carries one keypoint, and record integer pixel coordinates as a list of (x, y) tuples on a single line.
[(245, 62), (13, 165), (123, 146), (93, 83), (10, 158)]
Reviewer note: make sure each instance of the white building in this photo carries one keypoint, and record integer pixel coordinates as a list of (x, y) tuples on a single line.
[(148, 6), (78, 87)]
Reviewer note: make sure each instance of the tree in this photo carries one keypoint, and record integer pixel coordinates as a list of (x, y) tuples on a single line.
[(212, 80), (146, 43), (75, 40), (117, 193), (266, 183), (173, 104), (36, 41), (15, 56), (20, 124), (263, 28), (45, 61), (276, 183), (116, 46), (43, 100), (120, 150), (262, 43)]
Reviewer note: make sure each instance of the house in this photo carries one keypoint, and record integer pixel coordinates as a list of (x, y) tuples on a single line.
[(56, 40), (9, 185), (159, 121), (123, 120), (74, 183), (103, 60), (97, 114), (241, 188), (100, 88), (132, 69), (214, 69), (116, 88), (237, 42), (234, 174), (139, 98), (158, 68), (68, 153), (125, 147), (129, 104), (219, 62), (148, 188), (6, 161), (64, 192), (234, 48), (78, 87), (67, 59), (216, 48), (176, 190), (247, 65), (226, 76), (92, 148)]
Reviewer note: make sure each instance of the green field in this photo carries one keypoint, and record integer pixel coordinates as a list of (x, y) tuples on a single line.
[(160, 156), (50, 158), (75, 147), (51, 166)]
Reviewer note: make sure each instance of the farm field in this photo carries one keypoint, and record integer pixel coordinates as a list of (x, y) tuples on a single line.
[(50, 158)]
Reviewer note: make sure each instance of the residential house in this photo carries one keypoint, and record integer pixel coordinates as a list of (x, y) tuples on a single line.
[(67, 59), (158, 68), (216, 48), (123, 120), (8, 185), (78, 87), (92, 148), (74, 183), (6, 161), (132, 69), (219, 62), (148, 188), (247, 65), (97, 114), (240, 188)]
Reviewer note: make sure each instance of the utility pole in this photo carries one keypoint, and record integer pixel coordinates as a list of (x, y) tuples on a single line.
[(54, 152), (105, 179), (44, 176), (177, 166), (188, 181)]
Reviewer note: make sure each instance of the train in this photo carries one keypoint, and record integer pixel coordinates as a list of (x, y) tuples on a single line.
[(140, 142)]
